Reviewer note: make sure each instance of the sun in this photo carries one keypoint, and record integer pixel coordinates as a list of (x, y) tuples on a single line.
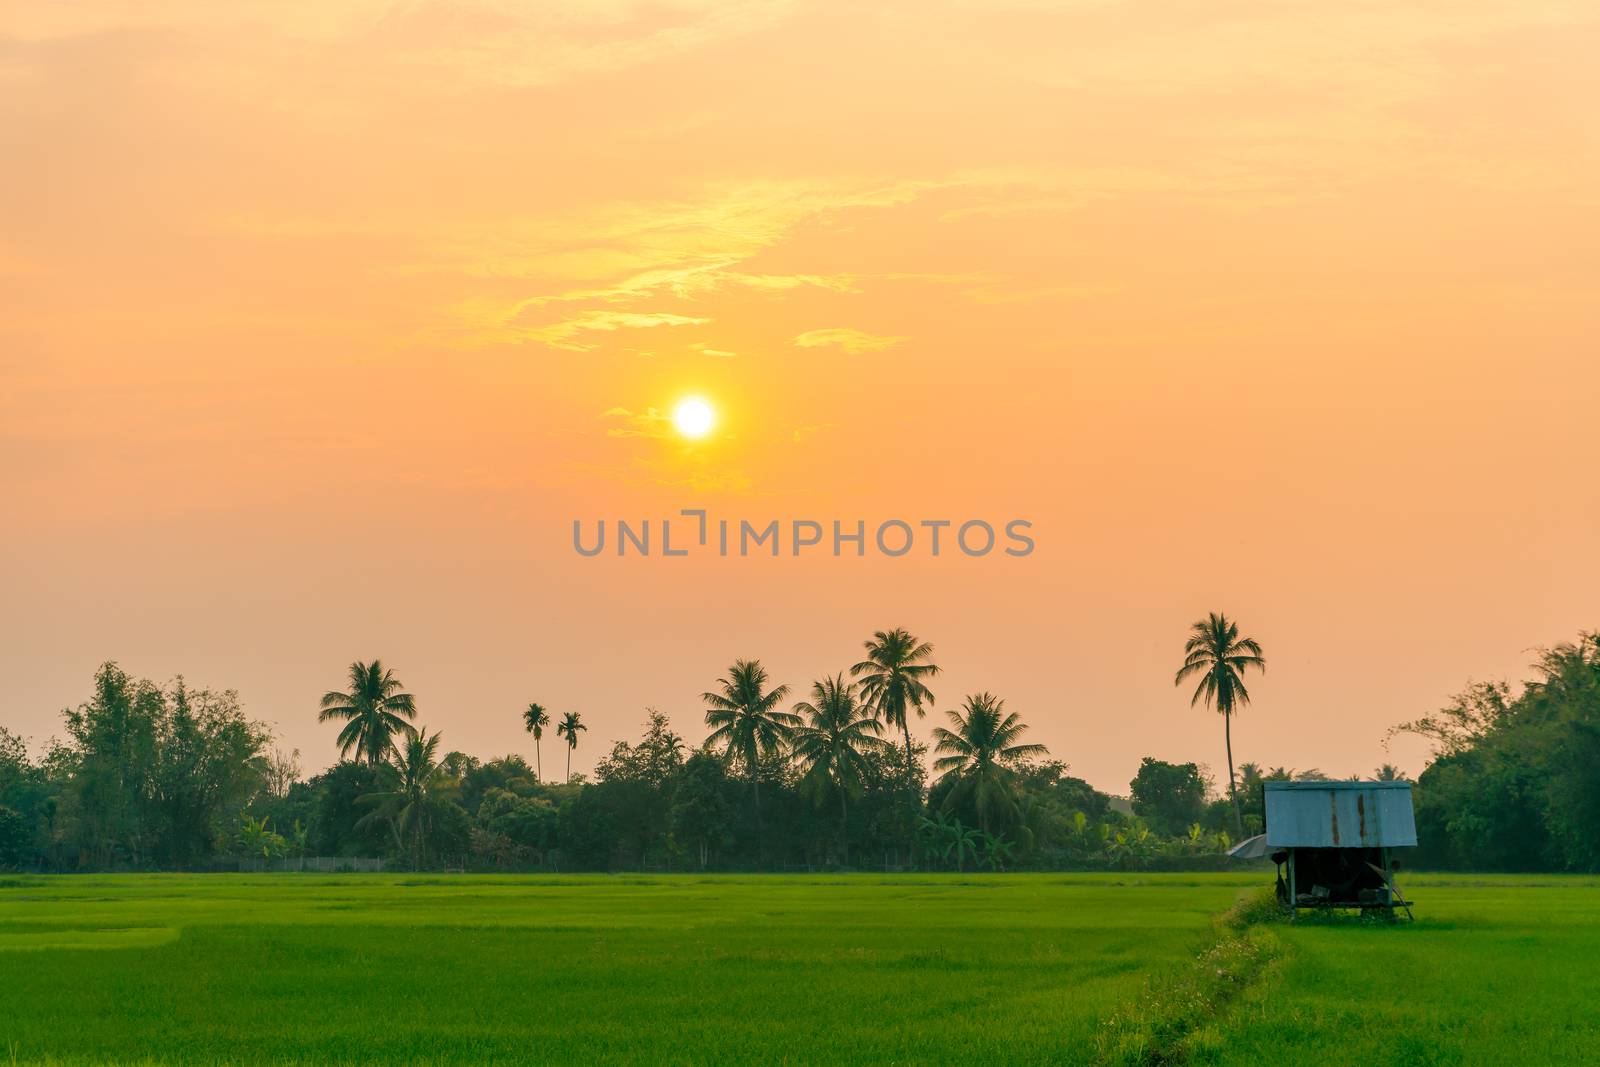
[(694, 417)]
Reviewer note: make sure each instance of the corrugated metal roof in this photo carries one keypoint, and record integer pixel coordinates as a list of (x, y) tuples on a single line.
[(1251, 848), (1339, 814)]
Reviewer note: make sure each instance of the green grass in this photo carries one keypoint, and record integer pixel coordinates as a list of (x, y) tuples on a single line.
[(911, 969), (575, 970), (1497, 970)]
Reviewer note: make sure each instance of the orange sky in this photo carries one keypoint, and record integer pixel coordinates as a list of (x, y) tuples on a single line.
[(321, 321)]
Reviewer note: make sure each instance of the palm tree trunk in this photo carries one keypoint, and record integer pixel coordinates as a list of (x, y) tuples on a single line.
[(1227, 739), (844, 830), (761, 825), (569, 764), (538, 762), (911, 815)]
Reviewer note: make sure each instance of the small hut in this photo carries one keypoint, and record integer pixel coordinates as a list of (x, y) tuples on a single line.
[(1336, 841)]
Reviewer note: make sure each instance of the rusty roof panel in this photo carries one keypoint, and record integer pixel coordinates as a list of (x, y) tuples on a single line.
[(1339, 814)]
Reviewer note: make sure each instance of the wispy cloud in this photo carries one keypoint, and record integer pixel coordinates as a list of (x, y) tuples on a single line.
[(682, 246), (626, 254), (572, 335), (691, 282), (851, 340), (651, 422), (474, 43)]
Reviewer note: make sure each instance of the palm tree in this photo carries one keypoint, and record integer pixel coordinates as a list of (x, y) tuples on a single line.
[(420, 781), (892, 679), (832, 744), (1217, 653), (980, 753), (1251, 775), (744, 716), (568, 727), (374, 710), (534, 720)]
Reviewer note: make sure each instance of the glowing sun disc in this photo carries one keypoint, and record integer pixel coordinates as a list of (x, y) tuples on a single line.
[(693, 417)]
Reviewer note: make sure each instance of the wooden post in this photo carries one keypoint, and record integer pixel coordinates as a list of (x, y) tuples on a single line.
[(1294, 900)]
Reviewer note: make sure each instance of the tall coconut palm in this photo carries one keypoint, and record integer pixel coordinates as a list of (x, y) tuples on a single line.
[(420, 784), (568, 727), (534, 720), (1219, 656), (980, 753), (892, 679), (374, 709), (831, 745), (745, 718)]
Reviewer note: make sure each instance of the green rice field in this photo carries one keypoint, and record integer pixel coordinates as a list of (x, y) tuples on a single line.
[(781, 969)]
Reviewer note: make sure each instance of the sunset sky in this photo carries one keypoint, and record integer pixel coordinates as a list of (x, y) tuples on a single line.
[(321, 321)]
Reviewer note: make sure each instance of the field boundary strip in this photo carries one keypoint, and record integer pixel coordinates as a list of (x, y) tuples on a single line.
[(1160, 1025)]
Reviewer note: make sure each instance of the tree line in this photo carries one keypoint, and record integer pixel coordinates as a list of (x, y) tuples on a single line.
[(152, 777), (1514, 784)]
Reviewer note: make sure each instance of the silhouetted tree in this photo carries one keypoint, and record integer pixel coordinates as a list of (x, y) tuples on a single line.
[(831, 746), (981, 753), (1219, 656), (571, 723), (892, 678), (534, 720), (745, 719), (374, 710), (417, 787), (1170, 796)]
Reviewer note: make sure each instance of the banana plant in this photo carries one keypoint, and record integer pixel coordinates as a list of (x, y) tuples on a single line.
[(949, 839), (1132, 846), (933, 832), (963, 843), (258, 838), (997, 851)]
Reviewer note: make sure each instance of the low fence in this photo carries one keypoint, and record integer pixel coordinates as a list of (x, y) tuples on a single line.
[(311, 864), (552, 863)]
